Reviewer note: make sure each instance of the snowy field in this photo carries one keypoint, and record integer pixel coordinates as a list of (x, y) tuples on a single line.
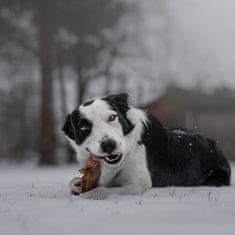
[(36, 201)]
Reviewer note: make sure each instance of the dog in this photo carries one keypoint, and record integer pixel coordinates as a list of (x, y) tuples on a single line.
[(137, 152)]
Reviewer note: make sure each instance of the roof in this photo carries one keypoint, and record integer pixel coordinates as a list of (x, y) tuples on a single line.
[(221, 100)]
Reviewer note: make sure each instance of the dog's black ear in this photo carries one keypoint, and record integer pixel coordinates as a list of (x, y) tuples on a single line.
[(119, 101), (68, 128)]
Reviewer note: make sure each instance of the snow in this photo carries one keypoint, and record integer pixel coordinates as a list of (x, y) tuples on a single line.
[(37, 201)]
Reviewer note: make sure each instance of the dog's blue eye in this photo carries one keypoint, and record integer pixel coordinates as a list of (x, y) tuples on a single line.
[(112, 118)]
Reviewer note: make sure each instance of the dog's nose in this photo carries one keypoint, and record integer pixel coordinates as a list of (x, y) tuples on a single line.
[(108, 146)]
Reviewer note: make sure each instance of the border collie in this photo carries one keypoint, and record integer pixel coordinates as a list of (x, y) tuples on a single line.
[(137, 152)]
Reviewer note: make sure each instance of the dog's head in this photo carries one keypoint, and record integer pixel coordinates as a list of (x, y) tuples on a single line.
[(99, 127)]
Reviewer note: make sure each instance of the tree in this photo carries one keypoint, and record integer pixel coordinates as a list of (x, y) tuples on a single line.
[(42, 21), (86, 21), (45, 36), (100, 16), (86, 42)]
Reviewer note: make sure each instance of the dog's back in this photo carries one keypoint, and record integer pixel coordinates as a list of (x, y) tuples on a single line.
[(183, 158)]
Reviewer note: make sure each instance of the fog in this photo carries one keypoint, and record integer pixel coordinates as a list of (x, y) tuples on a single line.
[(55, 55), (206, 30)]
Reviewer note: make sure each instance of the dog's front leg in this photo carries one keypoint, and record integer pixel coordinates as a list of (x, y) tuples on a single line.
[(134, 179)]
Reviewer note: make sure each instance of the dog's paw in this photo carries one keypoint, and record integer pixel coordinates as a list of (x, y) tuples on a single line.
[(75, 186), (99, 193)]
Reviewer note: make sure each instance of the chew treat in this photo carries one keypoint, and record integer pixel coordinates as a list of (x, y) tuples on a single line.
[(75, 186), (90, 176)]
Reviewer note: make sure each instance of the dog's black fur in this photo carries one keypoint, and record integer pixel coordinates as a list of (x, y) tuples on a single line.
[(183, 158), (73, 124)]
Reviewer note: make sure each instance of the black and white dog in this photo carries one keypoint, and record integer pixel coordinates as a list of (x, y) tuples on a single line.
[(137, 152)]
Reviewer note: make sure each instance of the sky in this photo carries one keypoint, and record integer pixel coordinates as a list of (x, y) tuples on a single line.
[(206, 28)]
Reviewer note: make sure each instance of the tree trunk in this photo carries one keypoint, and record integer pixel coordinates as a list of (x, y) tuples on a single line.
[(63, 95), (70, 158), (23, 138), (82, 82), (47, 130)]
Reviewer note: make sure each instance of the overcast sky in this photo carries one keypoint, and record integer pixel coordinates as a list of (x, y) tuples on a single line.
[(207, 28)]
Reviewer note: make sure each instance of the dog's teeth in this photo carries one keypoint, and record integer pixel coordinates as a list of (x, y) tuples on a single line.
[(111, 159)]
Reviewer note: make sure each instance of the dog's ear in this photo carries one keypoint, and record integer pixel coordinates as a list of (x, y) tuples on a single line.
[(68, 128), (119, 101)]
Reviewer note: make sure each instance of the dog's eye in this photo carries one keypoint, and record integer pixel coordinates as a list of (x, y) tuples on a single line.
[(112, 117), (84, 128)]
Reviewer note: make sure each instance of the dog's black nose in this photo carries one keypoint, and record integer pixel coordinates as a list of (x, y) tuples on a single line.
[(108, 146)]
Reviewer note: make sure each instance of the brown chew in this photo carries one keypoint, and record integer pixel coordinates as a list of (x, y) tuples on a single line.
[(91, 174)]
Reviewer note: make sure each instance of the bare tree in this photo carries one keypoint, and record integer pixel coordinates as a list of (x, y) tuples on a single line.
[(86, 21), (45, 36)]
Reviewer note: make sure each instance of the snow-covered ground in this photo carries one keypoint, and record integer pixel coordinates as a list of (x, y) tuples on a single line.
[(36, 201)]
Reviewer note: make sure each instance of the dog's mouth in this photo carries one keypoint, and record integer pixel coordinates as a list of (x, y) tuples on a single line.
[(113, 158), (110, 159)]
